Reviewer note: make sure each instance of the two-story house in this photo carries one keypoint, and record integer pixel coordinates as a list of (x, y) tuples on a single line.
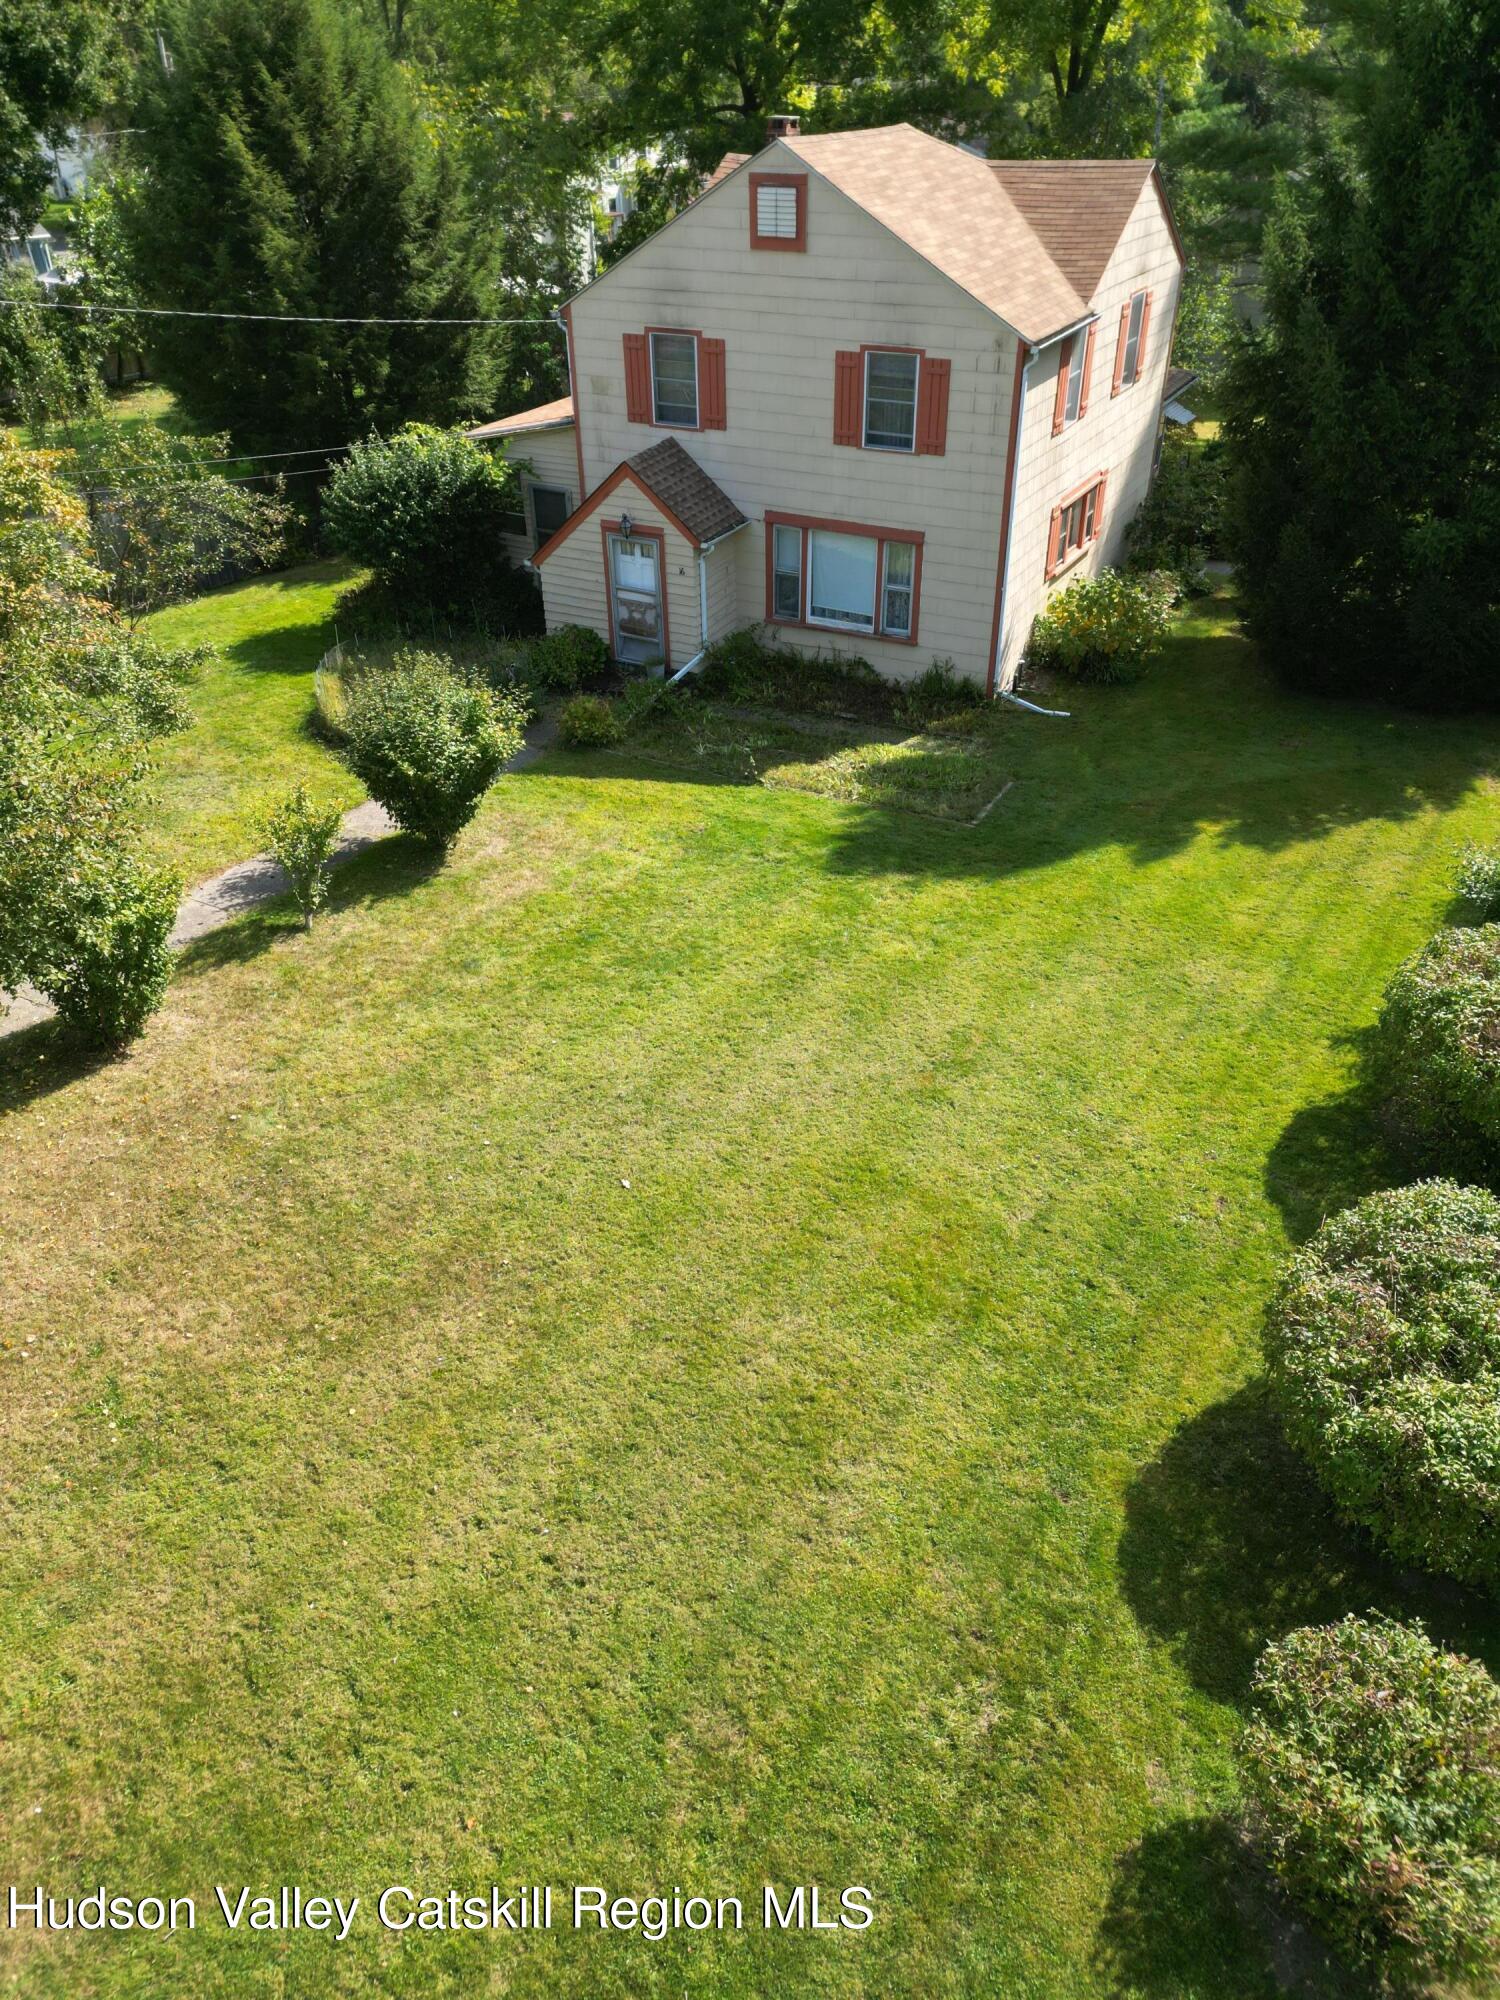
[(870, 389)]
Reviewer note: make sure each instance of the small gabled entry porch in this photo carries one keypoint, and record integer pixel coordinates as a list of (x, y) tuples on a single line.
[(642, 562)]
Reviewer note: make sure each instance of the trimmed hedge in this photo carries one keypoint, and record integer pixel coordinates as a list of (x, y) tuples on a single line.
[(1439, 1048), (1383, 1343), (1372, 1766), (428, 745), (567, 657), (588, 722)]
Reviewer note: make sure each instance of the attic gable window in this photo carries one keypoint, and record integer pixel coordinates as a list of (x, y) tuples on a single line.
[(778, 211)]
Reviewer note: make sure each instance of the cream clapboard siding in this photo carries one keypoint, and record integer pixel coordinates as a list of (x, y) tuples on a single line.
[(573, 576), (552, 458), (1117, 434), (723, 578), (783, 316)]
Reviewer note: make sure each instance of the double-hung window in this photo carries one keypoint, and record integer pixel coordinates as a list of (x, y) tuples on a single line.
[(1073, 394), (890, 400), (674, 379), (849, 580), (1076, 522), (1132, 340)]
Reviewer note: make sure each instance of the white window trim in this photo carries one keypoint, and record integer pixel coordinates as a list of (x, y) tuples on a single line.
[(665, 423), (1130, 372), (1073, 393), (884, 631), (901, 450), (870, 631)]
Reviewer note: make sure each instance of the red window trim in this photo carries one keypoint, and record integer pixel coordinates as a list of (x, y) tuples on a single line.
[(797, 242), (637, 533), (697, 339), (880, 536), (1055, 563)]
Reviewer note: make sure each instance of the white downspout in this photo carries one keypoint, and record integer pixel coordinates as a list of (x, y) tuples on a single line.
[(703, 555), (1010, 519)]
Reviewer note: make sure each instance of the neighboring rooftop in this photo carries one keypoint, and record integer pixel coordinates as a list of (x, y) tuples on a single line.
[(685, 489), (554, 416)]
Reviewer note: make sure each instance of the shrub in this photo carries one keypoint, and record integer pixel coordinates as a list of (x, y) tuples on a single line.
[(1479, 879), (1372, 1765), (1180, 522), (427, 745), (939, 695), (1383, 1343), (1104, 628), (756, 672), (302, 832), (108, 960), (425, 511), (568, 657), (587, 722), (1438, 1048)]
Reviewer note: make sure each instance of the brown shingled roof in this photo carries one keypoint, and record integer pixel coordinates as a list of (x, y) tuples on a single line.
[(545, 417), (1078, 208), (724, 169), (685, 489), (952, 209)]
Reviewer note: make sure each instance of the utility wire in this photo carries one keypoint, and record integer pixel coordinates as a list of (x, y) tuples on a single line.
[(276, 319)]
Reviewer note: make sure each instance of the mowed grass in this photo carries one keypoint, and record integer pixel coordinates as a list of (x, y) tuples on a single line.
[(712, 1340), (252, 736)]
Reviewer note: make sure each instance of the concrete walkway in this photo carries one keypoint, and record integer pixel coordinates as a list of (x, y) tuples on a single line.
[(222, 898)]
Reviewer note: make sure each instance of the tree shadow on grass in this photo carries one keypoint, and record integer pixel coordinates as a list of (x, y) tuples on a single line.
[(46, 1057), (1192, 1912), (1228, 1543), (1335, 1151)]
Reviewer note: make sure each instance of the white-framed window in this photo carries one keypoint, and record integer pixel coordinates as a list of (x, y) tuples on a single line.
[(852, 580), (776, 211), (890, 400), (786, 571), (1073, 394), (674, 379), (898, 588), (1130, 367)]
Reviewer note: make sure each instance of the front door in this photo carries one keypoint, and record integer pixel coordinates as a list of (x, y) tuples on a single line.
[(635, 586)]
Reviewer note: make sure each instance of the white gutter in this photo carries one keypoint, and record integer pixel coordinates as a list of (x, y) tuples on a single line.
[(1010, 518)]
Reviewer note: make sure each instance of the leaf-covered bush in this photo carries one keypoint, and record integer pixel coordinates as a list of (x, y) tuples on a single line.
[(108, 961), (1383, 1344), (1372, 1767), (1179, 525), (427, 744), (566, 658), (302, 832), (1478, 880), (588, 722), (425, 511), (1438, 1048), (1104, 628)]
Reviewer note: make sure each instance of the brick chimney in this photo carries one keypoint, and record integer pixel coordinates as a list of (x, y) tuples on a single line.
[(782, 125)]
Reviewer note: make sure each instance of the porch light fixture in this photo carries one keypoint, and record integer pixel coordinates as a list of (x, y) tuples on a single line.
[(627, 526)]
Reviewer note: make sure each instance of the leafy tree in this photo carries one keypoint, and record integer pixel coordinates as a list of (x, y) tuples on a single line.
[(165, 518), (284, 168), (1364, 423), (302, 833), (82, 914), (54, 64)]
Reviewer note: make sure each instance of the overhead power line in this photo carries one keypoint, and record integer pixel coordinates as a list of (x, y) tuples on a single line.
[(275, 319)]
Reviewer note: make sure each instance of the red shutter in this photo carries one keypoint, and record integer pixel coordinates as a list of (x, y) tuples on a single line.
[(712, 415), (1114, 388), (1060, 400), (1053, 556), (637, 379), (1099, 507), (932, 406), (1088, 369), (848, 383), (1140, 352)]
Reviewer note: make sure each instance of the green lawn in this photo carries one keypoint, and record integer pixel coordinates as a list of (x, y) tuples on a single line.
[(252, 732), (712, 1340)]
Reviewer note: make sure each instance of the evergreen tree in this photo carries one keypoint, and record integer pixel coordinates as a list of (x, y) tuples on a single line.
[(1365, 422), (284, 168)]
